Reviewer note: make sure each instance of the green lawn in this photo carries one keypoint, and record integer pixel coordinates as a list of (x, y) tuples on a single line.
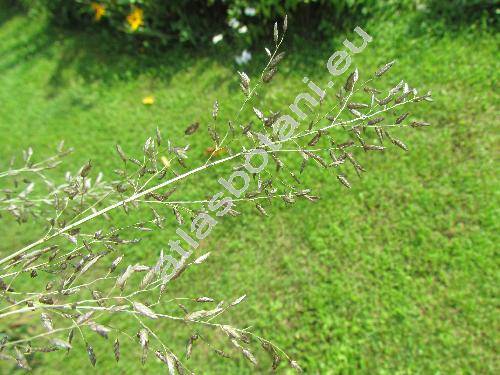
[(397, 275)]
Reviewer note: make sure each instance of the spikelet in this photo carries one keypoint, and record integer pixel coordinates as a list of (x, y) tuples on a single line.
[(215, 111), (120, 152), (91, 355), (269, 74), (144, 310), (401, 118), (295, 366), (116, 350), (375, 121), (400, 144), (351, 80), (143, 341), (47, 322), (244, 83), (382, 70), (419, 124), (189, 346), (344, 181), (191, 129), (277, 59)]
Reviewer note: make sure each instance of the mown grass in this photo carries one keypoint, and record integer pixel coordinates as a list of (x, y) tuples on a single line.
[(397, 275)]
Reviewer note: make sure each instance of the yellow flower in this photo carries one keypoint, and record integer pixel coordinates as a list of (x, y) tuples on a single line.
[(135, 18), (148, 100), (99, 10)]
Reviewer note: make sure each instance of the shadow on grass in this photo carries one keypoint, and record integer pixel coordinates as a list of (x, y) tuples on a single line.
[(9, 9), (99, 55)]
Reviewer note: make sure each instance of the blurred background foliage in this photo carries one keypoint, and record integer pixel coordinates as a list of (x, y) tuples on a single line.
[(196, 21)]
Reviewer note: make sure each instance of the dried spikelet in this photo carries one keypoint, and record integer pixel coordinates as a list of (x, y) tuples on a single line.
[(385, 101), (47, 322), (144, 310), (189, 346), (315, 139), (384, 68), (351, 80), (71, 335), (261, 209), (61, 344), (166, 358), (183, 308), (285, 23), (269, 74), (344, 181), (97, 297), (375, 121), (248, 355), (120, 282), (380, 133), (277, 59), (272, 352), (258, 113), (158, 136), (238, 300), (295, 366), (21, 359), (401, 118), (90, 264), (144, 341), (373, 148), (397, 88), (400, 144), (275, 33), (202, 258), (354, 105), (178, 216), (402, 97), (215, 110), (135, 161), (355, 112), (99, 329), (86, 169), (354, 162), (191, 129), (91, 355), (427, 97), (140, 268), (120, 152), (116, 350), (214, 135), (149, 277), (115, 263), (204, 299), (221, 353), (371, 90), (419, 124), (231, 332), (84, 317), (357, 132), (244, 83), (46, 300), (279, 163), (318, 158), (200, 314)]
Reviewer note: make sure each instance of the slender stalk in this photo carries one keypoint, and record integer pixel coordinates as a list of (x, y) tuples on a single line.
[(115, 205)]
